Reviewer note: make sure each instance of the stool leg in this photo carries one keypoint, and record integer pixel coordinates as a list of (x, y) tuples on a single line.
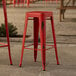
[(36, 30), (43, 41), (9, 50), (54, 38), (18, 3), (6, 26), (56, 1), (14, 2), (27, 3), (23, 43), (23, 3), (7, 34)]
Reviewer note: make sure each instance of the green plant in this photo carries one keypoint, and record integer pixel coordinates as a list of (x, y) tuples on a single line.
[(0, 0), (12, 30)]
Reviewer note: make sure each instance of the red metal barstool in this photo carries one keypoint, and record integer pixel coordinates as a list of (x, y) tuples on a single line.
[(39, 23), (7, 34), (20, 2)]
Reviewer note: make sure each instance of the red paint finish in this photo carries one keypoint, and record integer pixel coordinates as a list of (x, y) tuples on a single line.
[(7, 33), (39, 24), (36, 30)]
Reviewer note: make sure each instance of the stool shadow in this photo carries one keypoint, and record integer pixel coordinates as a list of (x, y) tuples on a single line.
[(69, 20)]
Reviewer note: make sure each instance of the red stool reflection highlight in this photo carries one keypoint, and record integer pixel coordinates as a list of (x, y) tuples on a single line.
[(39, 18)]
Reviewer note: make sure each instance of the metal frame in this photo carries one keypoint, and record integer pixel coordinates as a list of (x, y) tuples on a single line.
[(39, 23), (7, 33)]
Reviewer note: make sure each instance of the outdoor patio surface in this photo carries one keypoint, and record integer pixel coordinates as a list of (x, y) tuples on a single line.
[(66, 44), (67, 58)]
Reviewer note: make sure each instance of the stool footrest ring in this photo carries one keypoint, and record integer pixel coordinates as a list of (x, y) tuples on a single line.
[(27, 47), (3, 45)]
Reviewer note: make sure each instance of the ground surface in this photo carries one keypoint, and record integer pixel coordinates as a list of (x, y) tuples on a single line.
[(67, 58), (66, 42)]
